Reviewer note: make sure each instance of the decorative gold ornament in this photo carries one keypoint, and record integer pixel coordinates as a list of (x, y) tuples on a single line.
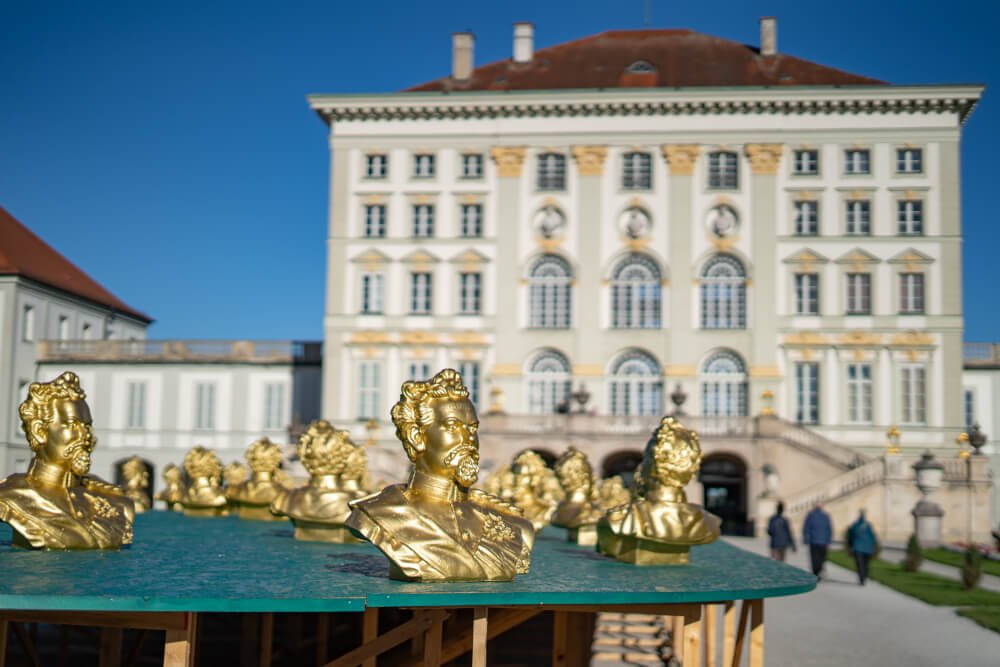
[(659, 526), (578, 512), (681, 158), (253, 497), (135, 473), (962, 442), (590, 159), (355, 478), (204, 495), (613, 492), (233, 475), (892, 437), (173, 493), (764, 158), (434, 527), (56, 504), (509, 160), (318, 509), (767, 398), (527, 483)]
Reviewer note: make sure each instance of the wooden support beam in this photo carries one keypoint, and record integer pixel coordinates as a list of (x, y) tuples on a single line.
[(421, 622), (248, 639), (149, 620), (110, 647), (757, 633), (709, 632), (136, 651), (266, 639), (479, 636), (26, 644), (728, 633), (677, 637), (369, 631), (322, 637), (432, 643), (179, 647), (3, 642), (692, 638), (741, 628), (560, 638), (460, 643)]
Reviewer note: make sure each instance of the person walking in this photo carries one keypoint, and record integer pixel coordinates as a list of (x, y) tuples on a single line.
[(780, 533), (817, 532), (861, 542)]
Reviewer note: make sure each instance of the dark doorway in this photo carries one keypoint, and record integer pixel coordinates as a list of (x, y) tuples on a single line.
[(621, 463), (724, 479)]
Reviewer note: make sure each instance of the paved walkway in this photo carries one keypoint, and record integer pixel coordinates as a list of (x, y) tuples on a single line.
[(842, 623), (988, 582)]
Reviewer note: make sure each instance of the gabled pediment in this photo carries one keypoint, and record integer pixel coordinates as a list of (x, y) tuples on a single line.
[(470, 257), (806, 256), (911, 256), (857, 256), (420, 257), (371, 256)]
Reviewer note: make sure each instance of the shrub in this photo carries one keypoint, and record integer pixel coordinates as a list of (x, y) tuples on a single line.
[(914, 555), (972, 568)]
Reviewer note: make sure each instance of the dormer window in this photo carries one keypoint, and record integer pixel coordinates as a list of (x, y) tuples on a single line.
[(640, 67)]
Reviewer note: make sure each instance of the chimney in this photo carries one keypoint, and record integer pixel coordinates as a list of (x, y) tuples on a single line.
[(461, 55), (768, 36), (524, 42)]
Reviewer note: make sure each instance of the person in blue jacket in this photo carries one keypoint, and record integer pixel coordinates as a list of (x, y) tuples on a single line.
[(817, 532), (781, 534), (861, 541)]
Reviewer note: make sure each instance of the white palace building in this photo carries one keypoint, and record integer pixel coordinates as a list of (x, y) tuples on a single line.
[(649, 213)]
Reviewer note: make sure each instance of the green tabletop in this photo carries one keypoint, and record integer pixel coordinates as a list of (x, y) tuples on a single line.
[(179, 563)]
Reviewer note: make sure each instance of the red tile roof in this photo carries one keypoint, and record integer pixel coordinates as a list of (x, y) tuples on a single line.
[(22, 253), (678, 58)]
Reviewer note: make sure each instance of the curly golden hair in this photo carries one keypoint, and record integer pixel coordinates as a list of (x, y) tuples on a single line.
[(414, 412), (263, 455), (326, 452), (40, 405), (673, 454), (202, 462), (356, 466), (574, 470)]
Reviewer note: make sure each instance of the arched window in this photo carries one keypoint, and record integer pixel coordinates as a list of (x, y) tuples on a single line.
[(724, 386), (549, 382), (636, 385), (635, 294), (549, 293), (723, 294)]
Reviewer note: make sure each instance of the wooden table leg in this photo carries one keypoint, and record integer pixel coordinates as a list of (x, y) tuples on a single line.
[(757, 633), (677, 637), (560, 638), (322, 638), (266, 639), (3, 642), (178, 650), (709, 632), (111, 647), (479, 634), (728, 633), (369, 631), (248, 639), (741, 629), (692, 638), (432, 644)]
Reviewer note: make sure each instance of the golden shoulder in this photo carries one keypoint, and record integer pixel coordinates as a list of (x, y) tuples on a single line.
[(490, 501)]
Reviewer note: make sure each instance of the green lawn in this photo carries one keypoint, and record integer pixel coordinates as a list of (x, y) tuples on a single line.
[(930, 588), (954, 558), (988, 617)]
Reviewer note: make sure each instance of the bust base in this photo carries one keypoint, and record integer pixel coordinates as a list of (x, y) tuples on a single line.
[(256, 512), (635, 550), (585, 536), (206, 511), (312, 531)]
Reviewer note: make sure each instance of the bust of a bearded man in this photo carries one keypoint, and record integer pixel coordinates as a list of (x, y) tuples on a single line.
[(318, 509), (56, 505), (434, 527), (253, 497), (659, 526), (579, 511)]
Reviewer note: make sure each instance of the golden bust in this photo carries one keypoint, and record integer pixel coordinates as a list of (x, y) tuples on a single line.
[(525, 483), (173, 493), (56, 505), (355, 478), (203, 496), (578, 512), (613, 492), (234, 474), (434, 527), (319, 509), (659, 526), (253, 497), (135, 473)]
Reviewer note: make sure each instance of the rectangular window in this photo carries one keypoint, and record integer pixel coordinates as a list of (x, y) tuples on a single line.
[(857, 161), (472, 220), (423, 165), (371, 293), (910, 216), (423, 220), (723, 170), (551, 171), (204, 414), (911, 293), (909, 160), (807, 393), (807, 218), (28, 324), (472, 165), (970, 409), (805, 162), (859, 393), (375, 221), (376, 165), (418, 371), (859, 294), (469, 370), (858, 214), (420, 293), (274, 406), (470, 289), (136, 417), (807, 294), (369, 382), (63, 327), (636, 171), (86, 332), (913, 395)]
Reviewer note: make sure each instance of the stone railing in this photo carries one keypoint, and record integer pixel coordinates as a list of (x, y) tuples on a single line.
[(843, 484), (981, 355), (584, 424), (810, 441), (258, 351)]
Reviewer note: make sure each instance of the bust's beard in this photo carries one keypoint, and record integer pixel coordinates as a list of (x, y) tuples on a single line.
[(80, 463), (465, 470)]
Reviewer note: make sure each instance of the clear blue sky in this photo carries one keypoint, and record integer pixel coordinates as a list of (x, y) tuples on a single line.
[(167, 147)]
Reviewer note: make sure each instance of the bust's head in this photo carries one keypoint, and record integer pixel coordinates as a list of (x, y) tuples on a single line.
[(136, 473), (356, 465), (235, 473), (264, 456), (438, 426), (172, 474), (202, 463), (56, 419), (673, 455), (325, 452), (574, 472)]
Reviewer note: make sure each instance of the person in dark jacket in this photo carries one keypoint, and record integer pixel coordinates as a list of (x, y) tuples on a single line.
[(817, 532), (781, 534), (861, 542)]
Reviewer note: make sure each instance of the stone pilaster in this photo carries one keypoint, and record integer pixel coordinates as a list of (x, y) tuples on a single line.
[(586, 315), (336, 261)]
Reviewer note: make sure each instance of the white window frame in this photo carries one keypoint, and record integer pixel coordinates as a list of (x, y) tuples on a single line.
[(910, 217), (135, 415), (470, 372), (423, 221), (635, 385), (472, 165), (807, 294), (723, 293), (723, 170), (472, 220), (372, 292), (375, 221), (376, 165), (909, 160), (858, 217), (859, 293), (28, 324), (806, 217), (551, 171), (805, 162), (860, 393), (637, 171), (470, 290), (550, 293), (423, 165), (274, 406), (912, 293), (421, 292), (913, 394), (807, 392), (636, 294), (204, 406), (857, 161), (724, 386), (369, 384), (418, 371), (549, 382)]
